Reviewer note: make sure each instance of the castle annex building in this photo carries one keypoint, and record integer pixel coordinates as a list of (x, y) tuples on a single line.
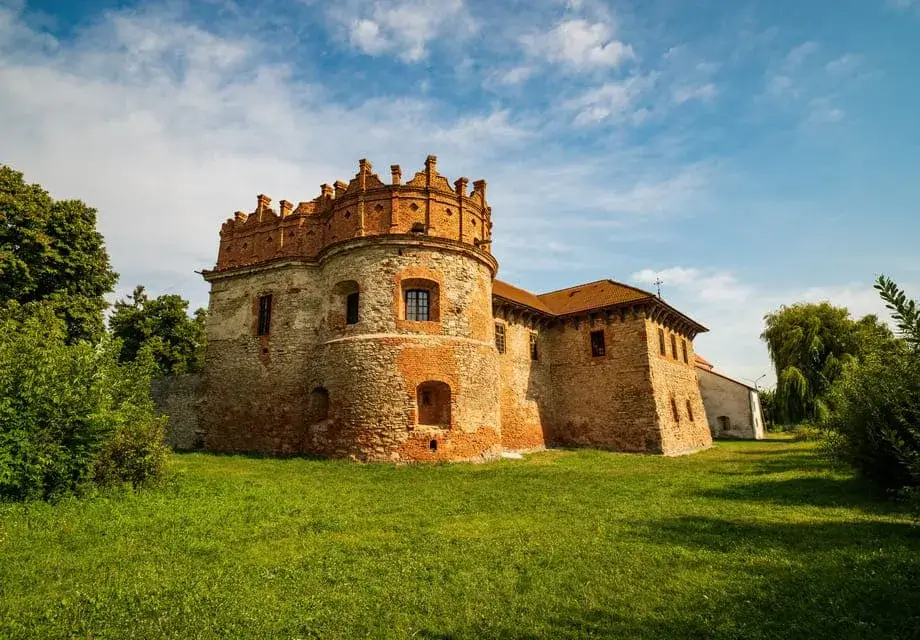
[(368, 322)]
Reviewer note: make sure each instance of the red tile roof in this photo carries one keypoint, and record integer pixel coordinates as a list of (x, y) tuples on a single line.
[(702, 362), (592, 295), (512, 293)]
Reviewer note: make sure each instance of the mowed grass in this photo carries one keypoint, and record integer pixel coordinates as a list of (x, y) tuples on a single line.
[(747, 540)]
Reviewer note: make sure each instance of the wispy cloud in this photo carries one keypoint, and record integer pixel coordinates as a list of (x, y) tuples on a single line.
[(616, 101), (703, 92), (402, 28), (579, 44)]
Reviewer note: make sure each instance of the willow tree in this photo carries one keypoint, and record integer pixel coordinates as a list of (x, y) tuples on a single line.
[(809, 345)]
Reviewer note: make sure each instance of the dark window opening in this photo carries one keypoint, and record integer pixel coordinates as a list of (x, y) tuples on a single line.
[(674, 410), (534, 351), (686, 359), (725, 423), (674, 346), (418, 227), (433, 403), (417, 305), (689, 410), (500, 337), (265, 314), (319, 404), (433, 445), (351, 308), (661, 345), (598, 348)]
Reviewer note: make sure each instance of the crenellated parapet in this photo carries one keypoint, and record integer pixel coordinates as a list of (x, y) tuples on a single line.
[(425, 205)]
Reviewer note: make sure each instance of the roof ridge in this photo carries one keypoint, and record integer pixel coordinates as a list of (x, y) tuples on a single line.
[(574, 286)]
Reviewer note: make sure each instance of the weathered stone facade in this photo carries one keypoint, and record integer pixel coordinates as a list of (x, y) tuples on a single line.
[(367, 323)]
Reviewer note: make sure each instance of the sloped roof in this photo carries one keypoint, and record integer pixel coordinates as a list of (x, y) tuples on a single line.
[(702, 362), (514, 294), (591, 295)]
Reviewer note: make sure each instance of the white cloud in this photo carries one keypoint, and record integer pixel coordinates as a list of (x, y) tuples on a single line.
[(781, 86), (844, 65), (703, 92), (514, 76), (579, 44), (403, 28), (799, 54), (615, 101)]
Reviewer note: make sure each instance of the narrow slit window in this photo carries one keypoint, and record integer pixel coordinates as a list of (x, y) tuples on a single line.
[(674, 346), (265, 314), (534, 350), (661, 345), (689, 410), (674, 410), (686, 359), (500, 337), (351, 308), (417, 305), (598, 348)]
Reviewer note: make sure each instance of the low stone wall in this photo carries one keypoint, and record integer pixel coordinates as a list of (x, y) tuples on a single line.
[(178, 397)]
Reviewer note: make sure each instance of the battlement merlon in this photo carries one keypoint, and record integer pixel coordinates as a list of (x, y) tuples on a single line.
[(427, 204)]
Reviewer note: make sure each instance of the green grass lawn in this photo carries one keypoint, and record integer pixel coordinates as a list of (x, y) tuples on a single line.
[(747, 540)]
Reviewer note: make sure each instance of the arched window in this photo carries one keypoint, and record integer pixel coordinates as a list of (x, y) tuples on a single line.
[(319, 404), (725, 423), (433, 401), (420, 300)]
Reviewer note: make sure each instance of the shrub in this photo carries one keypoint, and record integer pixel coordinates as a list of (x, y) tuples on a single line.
[(70, 415), (876, 415), (807, 432)]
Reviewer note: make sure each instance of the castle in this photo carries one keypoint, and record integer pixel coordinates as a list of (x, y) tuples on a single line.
[(368, 323)]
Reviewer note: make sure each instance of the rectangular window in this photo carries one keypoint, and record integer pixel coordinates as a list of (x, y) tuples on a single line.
[(689, 410), (674, 410), (598, 348), (664, 350), (674, 346), (417, 305), (500, 337), (351, 309), (265, 314), (534, 351), (686, 359)]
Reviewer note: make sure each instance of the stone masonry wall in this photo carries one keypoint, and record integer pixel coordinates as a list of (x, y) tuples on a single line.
[(604, 402), (177, 397), (259, 390), (526, 389), (681, 415)]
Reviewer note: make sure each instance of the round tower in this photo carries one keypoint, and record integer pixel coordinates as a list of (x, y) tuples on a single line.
[(383, 346)]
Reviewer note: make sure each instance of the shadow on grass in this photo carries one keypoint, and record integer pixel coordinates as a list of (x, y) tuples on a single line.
[(839, 580)]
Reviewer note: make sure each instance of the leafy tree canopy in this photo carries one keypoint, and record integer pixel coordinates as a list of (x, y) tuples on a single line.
[(50, 251), (810, 344), (162, 327)]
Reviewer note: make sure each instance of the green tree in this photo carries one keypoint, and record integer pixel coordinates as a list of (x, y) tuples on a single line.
[(70, 414), (810, 344), (161, 327), (874, 406), (51, 251)]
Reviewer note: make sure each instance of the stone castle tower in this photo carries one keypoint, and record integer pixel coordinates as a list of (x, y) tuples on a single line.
[(364, 323)]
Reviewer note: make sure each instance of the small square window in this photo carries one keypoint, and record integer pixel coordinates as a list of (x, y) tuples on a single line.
[(598, 348), (534, 350), (417, 305), (500, 337), (265, 314)]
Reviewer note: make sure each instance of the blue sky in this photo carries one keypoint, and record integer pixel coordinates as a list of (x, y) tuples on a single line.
[(750, 153)]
